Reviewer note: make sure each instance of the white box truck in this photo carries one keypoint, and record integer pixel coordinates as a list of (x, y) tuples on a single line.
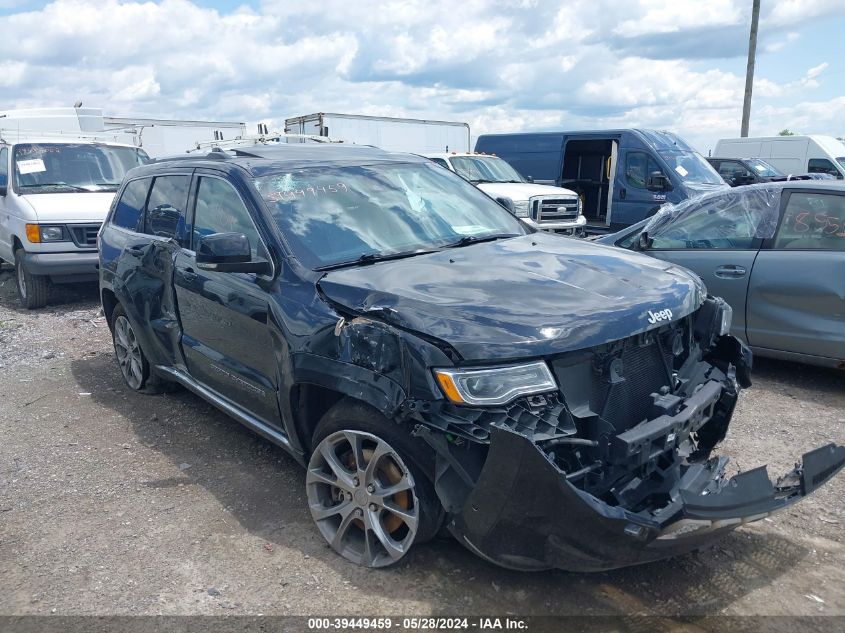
[(814, 154), (418, 136)]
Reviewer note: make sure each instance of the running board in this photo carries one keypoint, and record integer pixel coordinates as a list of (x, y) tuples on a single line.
[(229, 408)]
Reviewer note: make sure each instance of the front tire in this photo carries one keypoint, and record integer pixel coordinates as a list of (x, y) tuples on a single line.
[(32, 289), (366, 491), (137, 372)]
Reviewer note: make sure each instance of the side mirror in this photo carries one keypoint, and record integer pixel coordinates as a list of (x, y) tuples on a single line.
[(507, 203), (229, 253), (657, 181), (530, 179), (643, 241), (3, 190)]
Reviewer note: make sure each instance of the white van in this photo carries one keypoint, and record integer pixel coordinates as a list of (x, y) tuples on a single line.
[(791, 154), (545, 207), (54, 195)]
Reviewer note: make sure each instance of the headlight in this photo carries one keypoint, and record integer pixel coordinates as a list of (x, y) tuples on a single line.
[(52, 234), (496, 385), (580, 206), (520, 208), (725, 319), (37, 233)]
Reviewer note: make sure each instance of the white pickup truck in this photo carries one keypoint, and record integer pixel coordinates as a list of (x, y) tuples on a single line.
[(552, 209)]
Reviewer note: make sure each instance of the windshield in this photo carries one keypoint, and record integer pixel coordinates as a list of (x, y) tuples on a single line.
[(73, 167), (334, 215), (691, 167), (762, 168), (485, 169), (841, 160)]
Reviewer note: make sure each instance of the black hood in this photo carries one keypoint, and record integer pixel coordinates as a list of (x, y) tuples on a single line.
[(529, 296)]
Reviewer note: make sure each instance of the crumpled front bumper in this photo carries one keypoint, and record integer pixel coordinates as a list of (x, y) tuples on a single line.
[(524, 514)]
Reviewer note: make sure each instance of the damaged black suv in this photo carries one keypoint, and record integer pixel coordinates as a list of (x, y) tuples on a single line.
[(433, 361)]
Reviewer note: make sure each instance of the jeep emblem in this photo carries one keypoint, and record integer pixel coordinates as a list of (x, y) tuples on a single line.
[(656, 317)]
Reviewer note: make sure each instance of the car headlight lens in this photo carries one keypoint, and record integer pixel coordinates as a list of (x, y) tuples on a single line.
[(495, 385), (725, 319), (52, 234), (520, 208)]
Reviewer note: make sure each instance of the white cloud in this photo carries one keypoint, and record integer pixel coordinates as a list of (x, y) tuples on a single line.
[(506, 65)]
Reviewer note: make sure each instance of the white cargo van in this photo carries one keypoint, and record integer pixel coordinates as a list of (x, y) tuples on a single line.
[(54, 195), (791, 154)]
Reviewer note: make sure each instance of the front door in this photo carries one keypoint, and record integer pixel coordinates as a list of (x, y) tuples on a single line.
[(718, 239), (633, 202), (225, 335)]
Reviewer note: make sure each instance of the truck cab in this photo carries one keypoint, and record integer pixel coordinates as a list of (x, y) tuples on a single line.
[(621, 176), (54, 195), (545, 207)]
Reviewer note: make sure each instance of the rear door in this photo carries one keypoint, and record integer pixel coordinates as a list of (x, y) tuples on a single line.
[(719, 241), (225, 335), (796, 298)]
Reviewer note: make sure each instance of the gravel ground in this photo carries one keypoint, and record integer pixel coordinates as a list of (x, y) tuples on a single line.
[(117, 503)]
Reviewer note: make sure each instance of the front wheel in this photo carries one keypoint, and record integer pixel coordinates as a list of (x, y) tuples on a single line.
[(368, 497), (32, 289), (133, 363)]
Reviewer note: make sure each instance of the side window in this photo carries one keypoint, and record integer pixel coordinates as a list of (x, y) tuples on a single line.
[(440, 161), (638, 167), (220, 210), (165, 216), (732, 223), (812, 221), (130, 207), (822, 166), (4, 167), (729, 168)]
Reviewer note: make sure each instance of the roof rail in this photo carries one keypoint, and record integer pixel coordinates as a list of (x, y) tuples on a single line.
[(18, 134), (260, 139)]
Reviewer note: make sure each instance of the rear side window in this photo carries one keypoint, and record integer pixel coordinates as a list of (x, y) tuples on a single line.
[(165, 215), (130, 207), (812, 221)]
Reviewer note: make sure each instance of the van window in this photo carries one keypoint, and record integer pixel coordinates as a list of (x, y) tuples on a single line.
[(4, 167), (638, 167), (220, 210), (813, 221), (165, 216), (127, 213), (822, 166)]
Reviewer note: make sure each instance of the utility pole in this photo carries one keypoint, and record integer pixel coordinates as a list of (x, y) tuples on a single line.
[(749, 71)]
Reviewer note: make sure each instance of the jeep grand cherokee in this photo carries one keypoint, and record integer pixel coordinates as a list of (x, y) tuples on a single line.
[(432, 361)]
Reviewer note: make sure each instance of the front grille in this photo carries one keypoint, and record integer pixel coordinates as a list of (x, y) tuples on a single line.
[(554, 209), (84, 235)]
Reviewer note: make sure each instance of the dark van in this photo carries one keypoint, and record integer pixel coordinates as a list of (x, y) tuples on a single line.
[(622, 176)]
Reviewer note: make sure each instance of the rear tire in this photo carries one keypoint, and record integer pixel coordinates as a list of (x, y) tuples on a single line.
[(358, 456), (32, 289), (134, 366)]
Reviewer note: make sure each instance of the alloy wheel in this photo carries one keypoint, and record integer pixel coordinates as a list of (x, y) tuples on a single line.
[(128, 352), (362, 498)]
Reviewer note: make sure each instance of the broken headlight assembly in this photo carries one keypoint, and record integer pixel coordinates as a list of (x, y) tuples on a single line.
[(490, 386), (726, 315)]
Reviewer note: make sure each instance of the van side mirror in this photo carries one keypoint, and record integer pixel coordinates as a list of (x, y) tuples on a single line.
[(530, 179), (507, 203), (657, 181), (3, 190), (229, 253)]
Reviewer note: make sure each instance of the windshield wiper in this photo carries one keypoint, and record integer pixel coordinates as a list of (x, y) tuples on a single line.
[(371, 258), (55, 184), (466, 240)]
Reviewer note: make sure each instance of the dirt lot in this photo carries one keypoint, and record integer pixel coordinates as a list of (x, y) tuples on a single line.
[(116, 503)]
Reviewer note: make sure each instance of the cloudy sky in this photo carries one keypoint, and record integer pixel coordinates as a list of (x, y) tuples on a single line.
[(506, 65)]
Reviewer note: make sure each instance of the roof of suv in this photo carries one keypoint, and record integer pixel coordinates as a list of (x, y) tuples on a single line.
[(261, 159)]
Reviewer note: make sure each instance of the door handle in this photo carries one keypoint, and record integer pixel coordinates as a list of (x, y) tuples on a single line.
[(730, 271), (188, 274), (622, 193)]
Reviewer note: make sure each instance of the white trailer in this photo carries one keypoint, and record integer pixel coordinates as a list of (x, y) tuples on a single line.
[(419, 136), (158, 137)]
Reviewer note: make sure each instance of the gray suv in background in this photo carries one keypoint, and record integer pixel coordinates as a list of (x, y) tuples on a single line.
[(775, 252)]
